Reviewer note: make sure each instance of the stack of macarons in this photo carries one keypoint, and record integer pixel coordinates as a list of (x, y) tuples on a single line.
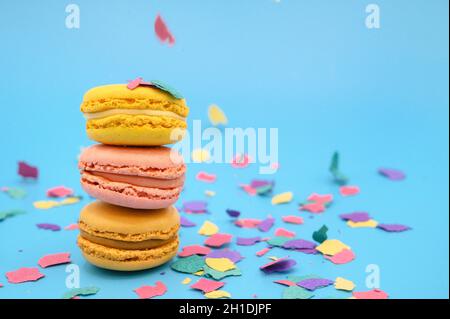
[(133, 225)]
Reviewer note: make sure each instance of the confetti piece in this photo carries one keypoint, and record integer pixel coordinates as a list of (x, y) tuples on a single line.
[(241, 241), (72, 227), (23, 275), (70, 201), (295, 292), (279, 265), (186, 281), (218, 275), (247, 223), (278, 241), (284, 233), (393, 227), (291, 219), (240, 161), (216, 115), (220, 264), (349, 190), (194, 250), (285, 282), (343, 257), (210, 193), (343, 284), (233, 213), (266, 224), (10, 213), (217, 294), (59, 191), (206, 177), (189, 265), (356, 217), (262, 252), (367, 224), (195, 207), (321, 199), (186, 222), (208, 228), (314, 283), (200, 272), (27, 171), (371, 294), (162, 31), (218, 240), (299, 244), (313, 207), (47, 204), (232, 255), (320, 235), (331, 247), (87, 291), (338, 177), (15, 192), (200, 155), (282, 198), (392, 174), (146, 292), (46, 226), (207, 285), (54, 259)]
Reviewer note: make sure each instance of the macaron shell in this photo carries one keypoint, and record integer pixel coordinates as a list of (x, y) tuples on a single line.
[(127, 260)]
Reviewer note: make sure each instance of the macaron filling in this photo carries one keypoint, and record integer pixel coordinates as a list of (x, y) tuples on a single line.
[(138, 180), (111, 112)]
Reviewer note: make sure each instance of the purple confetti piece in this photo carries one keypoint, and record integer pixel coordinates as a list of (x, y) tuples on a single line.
[(314, 283), (309, 251), (356, 217), (266, 224), (186, 222), (195, 207), (299, 244), (233, 213), (241, 241), (392, 174), (280, 265), (52, 227), (393, 227), (232, 255), (257, 183)]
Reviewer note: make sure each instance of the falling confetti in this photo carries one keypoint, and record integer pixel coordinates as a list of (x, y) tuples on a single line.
[(338, 177), (162, 31), (216, 115), (27, 171), (392, 174)]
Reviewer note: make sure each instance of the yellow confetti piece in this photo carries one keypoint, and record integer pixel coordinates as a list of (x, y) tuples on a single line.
[(273, 258), (344, 284), (45, 204), (200, 155), (369, 224), (199, 273), (70, 200), (282, 198), (208, 229), (210, 193), (331, 247), (216, 294), (220, 264), (216, 115), (186, 281)]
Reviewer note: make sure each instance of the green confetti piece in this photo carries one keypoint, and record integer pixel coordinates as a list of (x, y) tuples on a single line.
[(11, 213), (166, 88), (295, 292), (15, 192), (189, 265), (264, 190), (339, 178), (278, 240), (217, 275), (320, 235), (296, 278), (80, 292)]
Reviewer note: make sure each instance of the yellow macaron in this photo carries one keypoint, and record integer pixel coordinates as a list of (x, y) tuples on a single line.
[(145, 115), (126, 239)]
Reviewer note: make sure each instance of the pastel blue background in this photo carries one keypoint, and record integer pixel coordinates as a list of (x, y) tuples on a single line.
[(311, 69)]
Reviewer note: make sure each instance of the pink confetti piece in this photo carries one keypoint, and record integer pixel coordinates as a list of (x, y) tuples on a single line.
[(23, 275), (284, 233), (249, 190), (218, 240), (349, 190), (343, 257), (291, 219), (285, 282), (205, 177), (320, 199), (313, 207), (59, 191), (247, 223), (47, 226), (392, 174), (145, 292), (393, 227), (162, 31), (371, 294), (207, 285), (72, 227), (26, 170), (194, 250), (136, 83), (262, 252), (54, 259), (240, 161), (279, 265)]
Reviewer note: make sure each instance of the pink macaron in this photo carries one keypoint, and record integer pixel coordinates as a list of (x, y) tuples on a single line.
[(135, 177)]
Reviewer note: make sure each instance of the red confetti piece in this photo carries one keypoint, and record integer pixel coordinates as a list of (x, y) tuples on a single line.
[(207, 285), (23, 275), (205, 177), (218, 240), (59, 191), (240, 161), (293, 219), (284, 233), (320, 199), (146, 292), (262, 252), (26, 170), (285, 282), (247, 223), (194, 250), (313, 207), (162, 31), (54, 259), (371, 294), (349, 190)]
